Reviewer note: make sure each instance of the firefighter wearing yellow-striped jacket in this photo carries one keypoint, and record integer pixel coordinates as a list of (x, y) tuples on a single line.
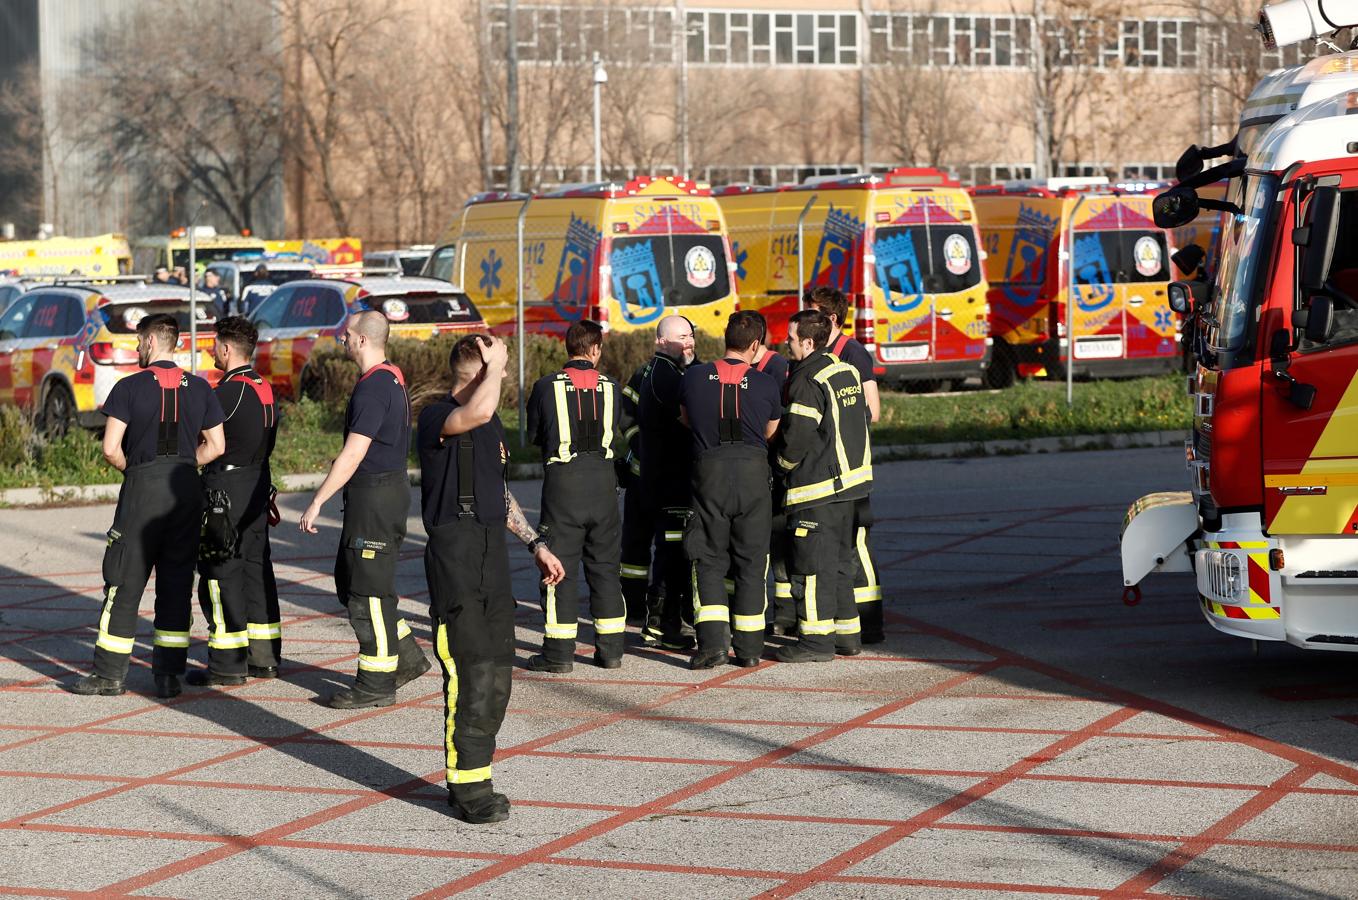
[(573, 418), (827, 458)]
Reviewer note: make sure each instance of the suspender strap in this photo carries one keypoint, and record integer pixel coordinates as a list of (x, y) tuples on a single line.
[(585, 429), (764, 361), (729, 377), (385, 366), (840, 343), (167, 436), (466, 477), (264, 391)]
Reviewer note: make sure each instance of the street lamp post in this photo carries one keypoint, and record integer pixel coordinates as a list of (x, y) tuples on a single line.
[(600, 79)]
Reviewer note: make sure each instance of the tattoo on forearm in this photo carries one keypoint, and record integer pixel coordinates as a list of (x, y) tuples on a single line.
[(516, 521)]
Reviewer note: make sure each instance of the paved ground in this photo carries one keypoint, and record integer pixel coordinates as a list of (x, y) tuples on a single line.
[(1021, 732)]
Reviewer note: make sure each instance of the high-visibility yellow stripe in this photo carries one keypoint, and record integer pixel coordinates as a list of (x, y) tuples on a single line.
[(819, 489), (782, 590), (217, 626), (871, 591), (712, 613), (449, 694), (228, 640), (867, 594), (801, 409), (611, 625), (634, 571), (379, 628), (630, 393), (468, 776), (171, 638), (563, 424), (826, 627), (111, 642), (264, 632), (748, 623), (674, 535), (377, 663), (402, 629), (812, 613), (607, 388), (555, 628), (847, 626)]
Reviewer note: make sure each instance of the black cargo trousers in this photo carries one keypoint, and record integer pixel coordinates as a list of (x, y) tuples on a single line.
[(638, 534), (375, 510), (822, 560), (231, 595), (729, 532), (156, 526), (472, 609), (580, 522)]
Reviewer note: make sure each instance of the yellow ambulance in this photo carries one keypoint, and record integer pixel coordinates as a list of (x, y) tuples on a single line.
[(1045, 242), (105, 254), (623, 255), (902, 245)]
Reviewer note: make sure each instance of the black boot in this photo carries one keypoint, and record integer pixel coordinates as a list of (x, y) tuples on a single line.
[(97, 686), (707, 659), (209, 678), (412, 661), (540, 663), (167, 686), (800, 653), (358, 698), (477, 804)]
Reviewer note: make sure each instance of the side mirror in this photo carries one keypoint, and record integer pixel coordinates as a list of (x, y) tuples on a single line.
[(1320, 320), (1319, 236), (1180, 297), (1176, 206)]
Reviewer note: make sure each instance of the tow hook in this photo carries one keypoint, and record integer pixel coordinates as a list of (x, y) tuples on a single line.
[(1131, 595)]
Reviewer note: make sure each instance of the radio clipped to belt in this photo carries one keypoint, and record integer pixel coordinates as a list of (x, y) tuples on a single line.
[(219, 536)]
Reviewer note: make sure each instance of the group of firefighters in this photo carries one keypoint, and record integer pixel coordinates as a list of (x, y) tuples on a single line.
[(732, 468)]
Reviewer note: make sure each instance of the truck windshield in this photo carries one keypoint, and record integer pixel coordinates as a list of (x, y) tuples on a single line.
[(1246, 246), (673, 269), (926, 259)]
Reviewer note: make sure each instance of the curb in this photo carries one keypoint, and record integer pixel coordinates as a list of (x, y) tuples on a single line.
[(74, 495)]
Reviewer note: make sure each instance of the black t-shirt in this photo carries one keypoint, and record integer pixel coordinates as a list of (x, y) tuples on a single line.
[(378, 409), (439, 472), (776, 366), (248, 424), (136, 400), (760, 402), (856, 355)]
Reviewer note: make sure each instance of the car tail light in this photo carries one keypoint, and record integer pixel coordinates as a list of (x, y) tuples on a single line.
[(106, 353), (863, 323)]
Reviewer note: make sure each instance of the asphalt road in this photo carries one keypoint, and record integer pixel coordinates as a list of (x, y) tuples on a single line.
[(1021, 732)]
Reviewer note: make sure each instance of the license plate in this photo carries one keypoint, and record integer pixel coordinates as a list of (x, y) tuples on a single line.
[(1098, 348), (905, 352)]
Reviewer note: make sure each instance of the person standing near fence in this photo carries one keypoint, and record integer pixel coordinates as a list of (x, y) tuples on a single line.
[(371, 470)]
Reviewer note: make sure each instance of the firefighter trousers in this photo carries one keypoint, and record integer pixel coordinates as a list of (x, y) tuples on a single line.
[(867, 591), (471, 605), (155, 526), (821, 558), (669, 603), (375, 510), (224, 586), (729, 533), (580, 522), (638, 532)]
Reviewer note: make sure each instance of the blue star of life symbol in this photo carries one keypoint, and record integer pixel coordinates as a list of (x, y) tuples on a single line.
[(490, 273), (1163, 318), (741, 256)]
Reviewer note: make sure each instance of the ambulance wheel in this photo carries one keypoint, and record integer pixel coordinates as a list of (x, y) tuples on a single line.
[(58, 410), (1003, 368)]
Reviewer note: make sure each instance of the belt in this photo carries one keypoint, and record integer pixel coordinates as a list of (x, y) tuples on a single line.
[(227, 467)]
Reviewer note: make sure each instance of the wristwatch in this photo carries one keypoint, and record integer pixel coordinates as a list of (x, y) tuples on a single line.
[(535, 543)]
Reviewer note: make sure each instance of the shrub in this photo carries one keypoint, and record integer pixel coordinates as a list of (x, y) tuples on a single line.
[(625, 353)]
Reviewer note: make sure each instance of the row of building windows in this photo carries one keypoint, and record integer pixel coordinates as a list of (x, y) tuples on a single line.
[(551, 177), (756, 38)]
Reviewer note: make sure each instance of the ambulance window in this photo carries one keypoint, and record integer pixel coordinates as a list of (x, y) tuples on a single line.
[(12, 322), (934, 259), (1120, 257), (669, 270), (440, 264)]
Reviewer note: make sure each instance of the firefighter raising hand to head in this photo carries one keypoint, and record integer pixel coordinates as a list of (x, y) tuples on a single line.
[(467, 509), (371, 469)]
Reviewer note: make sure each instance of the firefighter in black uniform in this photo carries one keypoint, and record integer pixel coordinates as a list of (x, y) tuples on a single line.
[(467, 509), (825, 453), (867, 590), (783, 610), (371, 468), (732, 410), (638, 534), (573, 418), (162, 423), (666, 468), (242, 617)]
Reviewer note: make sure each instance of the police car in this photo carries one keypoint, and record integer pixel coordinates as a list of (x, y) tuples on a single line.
[(302, 317), (63, 345)]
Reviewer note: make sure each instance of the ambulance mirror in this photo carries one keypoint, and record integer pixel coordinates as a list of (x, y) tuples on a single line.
[(1180, 298), (1176, 206), (1322, 221)]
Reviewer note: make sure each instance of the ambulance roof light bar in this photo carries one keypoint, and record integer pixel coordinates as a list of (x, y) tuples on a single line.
[(611, 190), (899, 177), (493, 196)]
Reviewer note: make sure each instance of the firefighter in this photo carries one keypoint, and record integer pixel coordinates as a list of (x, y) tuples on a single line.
[(825, 453), (732, 409), (162, 423), (666, 467), (784, 608), (867, 590), (573, 418), (244, 631), (371, 468), (634, 567), (467, 507)]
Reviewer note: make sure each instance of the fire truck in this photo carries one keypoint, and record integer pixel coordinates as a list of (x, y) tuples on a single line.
[(1269, 526), (1046, 242)]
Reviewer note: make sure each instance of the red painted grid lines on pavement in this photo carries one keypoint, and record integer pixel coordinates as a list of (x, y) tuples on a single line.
[(268, 836), (549, 850)]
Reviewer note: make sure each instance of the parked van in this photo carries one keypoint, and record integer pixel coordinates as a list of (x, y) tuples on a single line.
[(902, 245), (1045, 242), (624, 255)]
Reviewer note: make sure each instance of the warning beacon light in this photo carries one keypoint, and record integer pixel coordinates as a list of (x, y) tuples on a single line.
[(1292, 21)]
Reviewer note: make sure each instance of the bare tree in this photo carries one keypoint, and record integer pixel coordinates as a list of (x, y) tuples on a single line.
[(28, 143), (919, 112)]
